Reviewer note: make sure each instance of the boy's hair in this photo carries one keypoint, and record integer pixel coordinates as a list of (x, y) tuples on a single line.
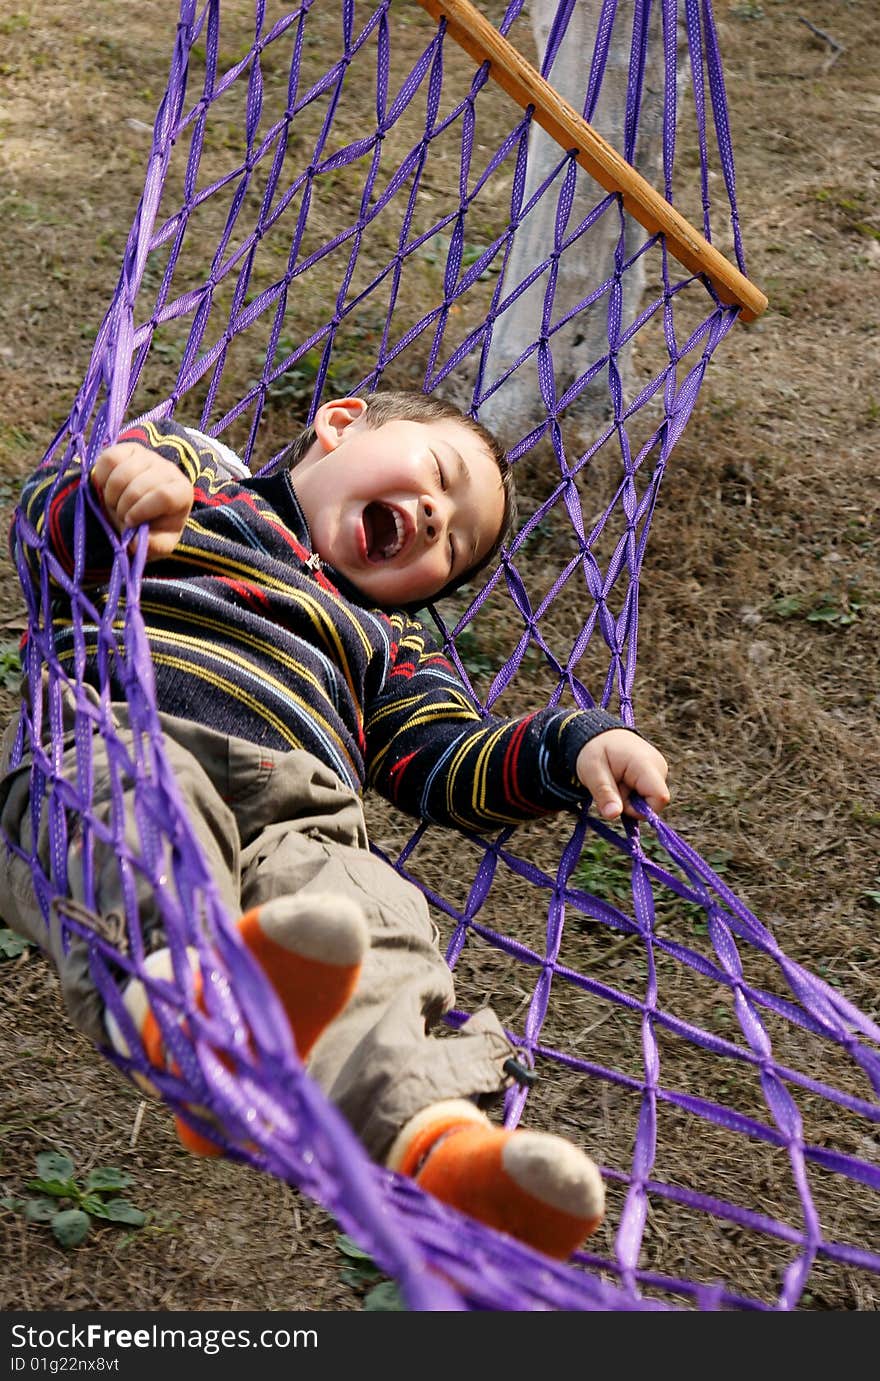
[(404, 405)]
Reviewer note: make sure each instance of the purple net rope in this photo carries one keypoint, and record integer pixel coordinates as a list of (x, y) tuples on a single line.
[(332, 259)]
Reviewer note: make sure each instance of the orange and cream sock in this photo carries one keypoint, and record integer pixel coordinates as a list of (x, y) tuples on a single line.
[(535, 1186), (310, 947)]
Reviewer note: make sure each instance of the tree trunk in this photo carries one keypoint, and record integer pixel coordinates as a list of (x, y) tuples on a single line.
[(517, 406)]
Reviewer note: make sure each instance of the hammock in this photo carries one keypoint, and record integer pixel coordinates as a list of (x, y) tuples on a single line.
[(346, 258)]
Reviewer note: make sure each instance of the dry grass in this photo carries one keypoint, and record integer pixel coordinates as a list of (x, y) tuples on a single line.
[(769, 513)]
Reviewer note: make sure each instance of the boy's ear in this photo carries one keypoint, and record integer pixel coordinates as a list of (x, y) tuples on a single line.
[(333, 417)]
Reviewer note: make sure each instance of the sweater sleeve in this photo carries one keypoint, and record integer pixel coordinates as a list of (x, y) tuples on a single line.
[(68, 515), (431, 753)]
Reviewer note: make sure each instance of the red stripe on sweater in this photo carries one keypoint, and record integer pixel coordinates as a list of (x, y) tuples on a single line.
[(252, 594), (136, 434), (510, 764), (65, 556), (396, 773)]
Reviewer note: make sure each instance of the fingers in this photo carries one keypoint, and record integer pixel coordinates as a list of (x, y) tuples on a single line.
[(139, 486), (618, 764), (116, 467), (608, 800), (144, 501), (649, 782), (163, 536)]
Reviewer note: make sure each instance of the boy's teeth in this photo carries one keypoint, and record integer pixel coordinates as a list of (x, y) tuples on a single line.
[(384, 530), (394, 546)]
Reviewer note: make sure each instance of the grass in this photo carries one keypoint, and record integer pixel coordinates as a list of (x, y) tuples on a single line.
[(757, 671)]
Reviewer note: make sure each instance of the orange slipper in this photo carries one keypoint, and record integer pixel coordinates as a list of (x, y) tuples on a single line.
[(535, 1186), (310, 947)]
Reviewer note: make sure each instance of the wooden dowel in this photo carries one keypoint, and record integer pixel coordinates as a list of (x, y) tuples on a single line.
[(473, 32)]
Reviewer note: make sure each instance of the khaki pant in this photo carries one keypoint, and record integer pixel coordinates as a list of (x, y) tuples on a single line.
[(270, 824)]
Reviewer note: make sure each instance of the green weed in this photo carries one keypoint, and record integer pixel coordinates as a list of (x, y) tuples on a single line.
[(474, 659), (363, 1275), (15, 23), (826, 606), (12, 945), (10, 666), (68, 1205), (294, 388), (16, 439), (436, 251), (852, 205), (606, 873), (828, 975)]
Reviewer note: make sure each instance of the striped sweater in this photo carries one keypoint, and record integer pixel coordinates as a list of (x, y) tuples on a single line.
[(251, 636)]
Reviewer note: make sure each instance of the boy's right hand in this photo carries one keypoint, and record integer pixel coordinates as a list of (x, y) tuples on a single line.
[(136, 486)]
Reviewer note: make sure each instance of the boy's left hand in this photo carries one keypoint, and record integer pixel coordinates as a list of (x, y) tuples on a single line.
[(617, 762)]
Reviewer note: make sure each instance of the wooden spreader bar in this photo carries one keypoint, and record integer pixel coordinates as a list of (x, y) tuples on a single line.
[(473, 32)]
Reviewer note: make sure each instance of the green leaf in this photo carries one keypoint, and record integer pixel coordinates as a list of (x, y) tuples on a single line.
[(51, 1165), (872, 896), (384, 1297), (15, 1205), (106, 1177), (10, 666), (121, 1211), (40, 1210), (90, 1203), (435, 249), (12, 945), (59, 1189), (365, 1273), (71, 1227), (787, 606), (474, 659), (349, 1247)]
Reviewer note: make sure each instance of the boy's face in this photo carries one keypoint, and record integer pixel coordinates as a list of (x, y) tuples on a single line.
[(400, 509)]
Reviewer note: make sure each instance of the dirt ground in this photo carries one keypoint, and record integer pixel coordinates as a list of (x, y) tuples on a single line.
[(758, 637)]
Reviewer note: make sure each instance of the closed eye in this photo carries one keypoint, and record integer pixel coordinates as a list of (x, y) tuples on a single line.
[(440, 475)]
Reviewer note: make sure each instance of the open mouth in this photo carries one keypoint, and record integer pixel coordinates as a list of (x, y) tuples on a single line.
[(384, 531)]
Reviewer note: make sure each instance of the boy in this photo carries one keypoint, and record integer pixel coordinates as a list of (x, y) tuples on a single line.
[(284, 688)]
